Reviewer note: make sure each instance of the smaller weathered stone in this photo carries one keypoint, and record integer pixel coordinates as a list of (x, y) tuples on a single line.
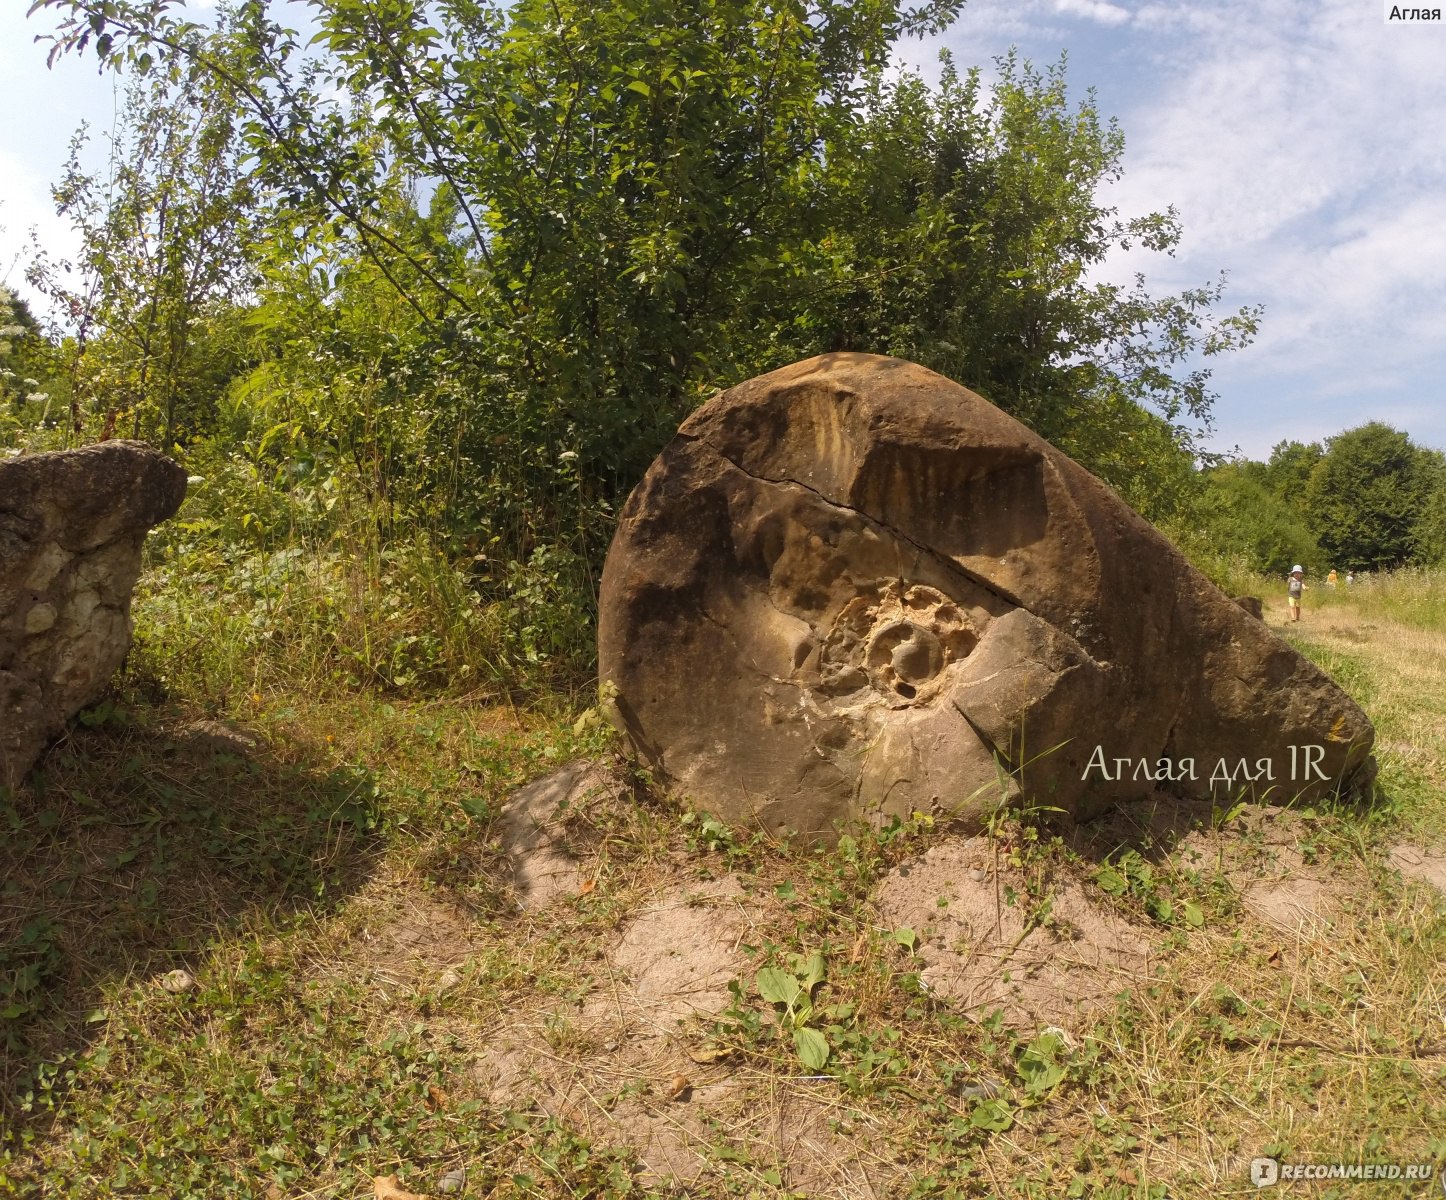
[(452, 1181), (71, 528), (177, 982)]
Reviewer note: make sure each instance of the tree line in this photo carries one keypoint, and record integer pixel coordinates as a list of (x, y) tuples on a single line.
[(1368, 499)]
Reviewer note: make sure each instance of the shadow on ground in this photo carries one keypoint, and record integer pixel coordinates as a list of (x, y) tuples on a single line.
[(1155, 826), (127, 850)]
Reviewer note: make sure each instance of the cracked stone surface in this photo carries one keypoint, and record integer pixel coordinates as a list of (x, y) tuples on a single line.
[(71, 528), (853, 589)]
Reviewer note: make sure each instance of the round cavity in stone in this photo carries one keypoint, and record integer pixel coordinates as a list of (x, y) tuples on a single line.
[(919, 657), (902, 652)]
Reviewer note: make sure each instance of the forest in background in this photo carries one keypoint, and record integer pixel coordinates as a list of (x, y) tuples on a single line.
[(417, 294)]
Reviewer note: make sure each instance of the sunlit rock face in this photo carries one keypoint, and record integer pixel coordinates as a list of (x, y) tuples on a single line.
[(71, 528), (853, 589)]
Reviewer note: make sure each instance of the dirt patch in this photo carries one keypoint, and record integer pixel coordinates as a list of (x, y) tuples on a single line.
[(204, 740), (623, 1066), (677, 957), (533, 832), (641, 1092), (822, 1145), (1302, 907), (618, 1065), (1045, 959), (1268, 854), (1415, 863), (1265, 851), (672, 1139), (420, 942), (676, 1115)]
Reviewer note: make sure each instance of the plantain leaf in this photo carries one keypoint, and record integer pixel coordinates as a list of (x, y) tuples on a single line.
[(813, 971), (777, 986), (812, 1048), (991, 1114)]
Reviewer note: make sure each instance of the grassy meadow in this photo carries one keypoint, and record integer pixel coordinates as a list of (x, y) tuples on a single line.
[(322, 859)]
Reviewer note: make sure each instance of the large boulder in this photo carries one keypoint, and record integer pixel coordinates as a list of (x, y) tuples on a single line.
[(71, 528), (853, 589)]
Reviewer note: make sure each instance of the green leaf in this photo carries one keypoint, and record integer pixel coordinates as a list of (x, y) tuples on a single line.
[(907, 938), (812, 1048), (1159, 908), (1112, 881), (1193, 916), (778, 986), (1038, 1066), (813, 971), (642, 89), (995, 1115)]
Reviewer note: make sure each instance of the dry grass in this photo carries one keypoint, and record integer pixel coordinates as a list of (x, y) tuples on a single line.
[(1398, 673)]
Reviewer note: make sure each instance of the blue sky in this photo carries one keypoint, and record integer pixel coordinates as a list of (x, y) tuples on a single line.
[(1302, 141)]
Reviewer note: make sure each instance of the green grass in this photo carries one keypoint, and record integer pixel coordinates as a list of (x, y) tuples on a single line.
[(294, 841)]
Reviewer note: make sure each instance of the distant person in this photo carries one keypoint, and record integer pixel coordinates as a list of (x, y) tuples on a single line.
[(1350, 577), (1294, 590), (1331, 578)]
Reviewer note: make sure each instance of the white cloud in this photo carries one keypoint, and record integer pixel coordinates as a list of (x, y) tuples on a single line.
[(1299, 142), (1285, 141), (1093, 10)]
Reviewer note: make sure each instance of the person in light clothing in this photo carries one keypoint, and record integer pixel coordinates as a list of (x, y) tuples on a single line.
[(1294, 589)]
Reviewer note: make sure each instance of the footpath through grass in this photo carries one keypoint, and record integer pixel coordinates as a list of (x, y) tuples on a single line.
[(329, 873)]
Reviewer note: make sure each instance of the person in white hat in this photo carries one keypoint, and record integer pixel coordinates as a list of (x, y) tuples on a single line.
[(1294, 589)]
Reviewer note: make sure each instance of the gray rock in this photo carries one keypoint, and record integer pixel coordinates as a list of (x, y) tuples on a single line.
[(71, 528)]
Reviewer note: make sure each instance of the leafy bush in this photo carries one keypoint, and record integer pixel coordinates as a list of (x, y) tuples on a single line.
[(1234, 517)]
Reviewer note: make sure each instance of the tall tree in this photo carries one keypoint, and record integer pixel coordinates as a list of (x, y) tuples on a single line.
[(1287, 474), (1366, 495), (1237, 515)]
